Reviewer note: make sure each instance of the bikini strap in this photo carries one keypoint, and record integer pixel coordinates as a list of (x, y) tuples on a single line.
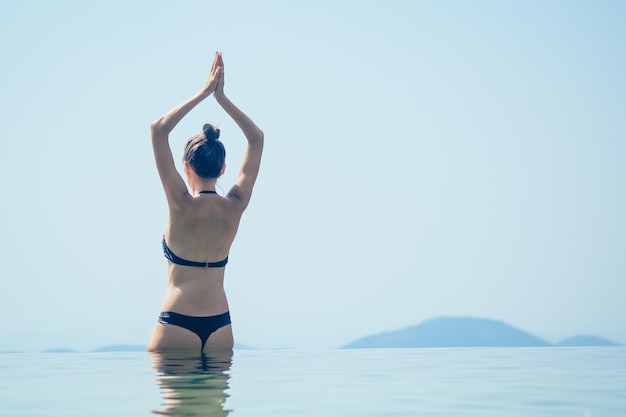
[(175, 259)]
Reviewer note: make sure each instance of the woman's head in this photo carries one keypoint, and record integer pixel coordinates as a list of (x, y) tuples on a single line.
[(205, 154)]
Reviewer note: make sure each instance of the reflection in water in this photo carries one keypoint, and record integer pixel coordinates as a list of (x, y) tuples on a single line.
[(193, 383)]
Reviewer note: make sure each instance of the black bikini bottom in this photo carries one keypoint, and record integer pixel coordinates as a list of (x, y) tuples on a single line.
[(202, 326)]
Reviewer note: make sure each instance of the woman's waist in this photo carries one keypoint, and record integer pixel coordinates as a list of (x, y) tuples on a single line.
[(195, 278), (195, 299)]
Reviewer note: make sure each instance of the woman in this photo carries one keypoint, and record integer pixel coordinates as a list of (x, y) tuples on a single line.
[(202, 225)]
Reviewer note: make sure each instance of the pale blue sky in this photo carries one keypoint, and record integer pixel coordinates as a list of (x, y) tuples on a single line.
[(422, 158)]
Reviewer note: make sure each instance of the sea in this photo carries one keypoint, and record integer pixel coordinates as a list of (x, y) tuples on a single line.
[(546, 381)]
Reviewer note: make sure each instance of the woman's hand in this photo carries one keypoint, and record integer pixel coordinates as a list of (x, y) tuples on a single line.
[(214, 75), (219, 88)]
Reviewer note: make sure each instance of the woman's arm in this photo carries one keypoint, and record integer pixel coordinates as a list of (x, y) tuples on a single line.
[(173, 184), (249, 170)]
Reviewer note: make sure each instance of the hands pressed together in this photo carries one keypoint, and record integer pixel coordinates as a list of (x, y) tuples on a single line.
[(215, 82)]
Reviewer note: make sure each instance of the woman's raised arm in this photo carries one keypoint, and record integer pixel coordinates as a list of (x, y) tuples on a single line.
[(249, 170)]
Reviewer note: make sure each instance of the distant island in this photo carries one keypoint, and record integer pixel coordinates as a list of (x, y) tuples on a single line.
[(113, 348), (108, 348), (465, 332), (586, 340)]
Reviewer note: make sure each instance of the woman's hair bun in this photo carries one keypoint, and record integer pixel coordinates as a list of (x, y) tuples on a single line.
[(210, 132)]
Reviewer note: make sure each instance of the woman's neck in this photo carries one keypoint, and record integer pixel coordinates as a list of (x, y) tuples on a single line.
[(202, 184)]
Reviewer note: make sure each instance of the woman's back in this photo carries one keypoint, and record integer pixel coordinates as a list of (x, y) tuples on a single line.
[(204, 229), (201, 231)]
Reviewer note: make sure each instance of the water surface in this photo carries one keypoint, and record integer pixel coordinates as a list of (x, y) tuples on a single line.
[(370, 382)]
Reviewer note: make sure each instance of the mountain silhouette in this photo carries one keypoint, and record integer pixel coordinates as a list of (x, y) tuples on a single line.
[(586, 340), (451, 332), (121, 348)]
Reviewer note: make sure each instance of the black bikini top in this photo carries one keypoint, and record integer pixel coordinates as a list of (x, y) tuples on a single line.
[(173, 258)]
